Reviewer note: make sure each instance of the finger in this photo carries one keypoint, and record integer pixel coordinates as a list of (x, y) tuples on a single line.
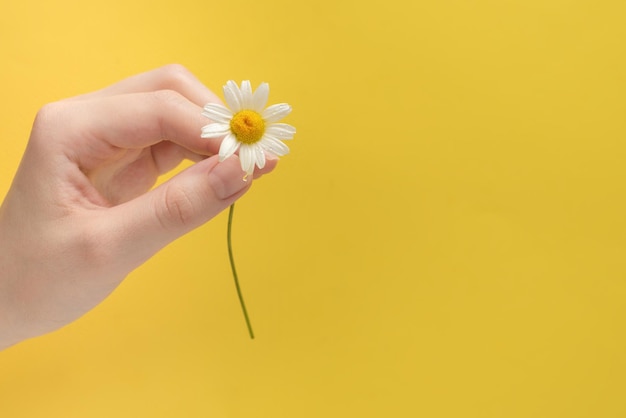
[(126, 182), (146, 224), (170, 77), (101, 127), (168, 155), (123, 180)]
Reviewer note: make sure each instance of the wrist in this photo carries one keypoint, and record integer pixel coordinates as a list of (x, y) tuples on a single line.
[(10, 331)]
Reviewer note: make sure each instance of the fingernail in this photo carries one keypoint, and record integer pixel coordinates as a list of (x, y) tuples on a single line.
[(226, 178)]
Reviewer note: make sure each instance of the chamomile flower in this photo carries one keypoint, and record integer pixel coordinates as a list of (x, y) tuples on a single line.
[(248, 126)]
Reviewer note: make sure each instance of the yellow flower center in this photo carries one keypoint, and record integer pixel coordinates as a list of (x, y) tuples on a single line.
[(248, 126)]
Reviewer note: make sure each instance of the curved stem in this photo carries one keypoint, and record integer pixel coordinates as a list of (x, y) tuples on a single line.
[(232, 266)]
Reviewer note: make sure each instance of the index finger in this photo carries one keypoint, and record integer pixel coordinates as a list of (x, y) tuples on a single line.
[(170, 77), (93, 130)]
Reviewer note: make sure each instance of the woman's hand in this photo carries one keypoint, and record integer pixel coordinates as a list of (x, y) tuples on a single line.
[(81, 212)]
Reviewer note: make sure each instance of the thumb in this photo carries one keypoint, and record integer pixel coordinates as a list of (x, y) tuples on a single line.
[(148, 223)]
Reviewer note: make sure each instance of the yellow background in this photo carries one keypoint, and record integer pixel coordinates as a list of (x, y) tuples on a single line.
[(446, 239)]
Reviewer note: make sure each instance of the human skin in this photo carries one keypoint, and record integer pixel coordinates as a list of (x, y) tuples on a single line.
[(82, 212)]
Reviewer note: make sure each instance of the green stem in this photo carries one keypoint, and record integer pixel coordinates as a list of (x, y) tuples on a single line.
[(232, 266)]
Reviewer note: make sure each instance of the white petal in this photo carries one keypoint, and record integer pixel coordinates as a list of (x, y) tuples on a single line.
[(246, 157), (276, 112), (215, 130), (217, 113), (259, 98), (281, 131), (228, 147), (259, 155), (273, 145), (246, 94), (232, 94)]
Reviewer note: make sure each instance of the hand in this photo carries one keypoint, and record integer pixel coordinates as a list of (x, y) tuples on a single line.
[(80, 214)]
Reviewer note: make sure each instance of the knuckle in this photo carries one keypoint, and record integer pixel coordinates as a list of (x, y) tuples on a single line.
[(49, 123), (168, 96), (175, 70), (49, 114), (175, 76), (177, 208), (167, 102)]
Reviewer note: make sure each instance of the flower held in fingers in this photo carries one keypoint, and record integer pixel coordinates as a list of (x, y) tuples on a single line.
[(248, 126)]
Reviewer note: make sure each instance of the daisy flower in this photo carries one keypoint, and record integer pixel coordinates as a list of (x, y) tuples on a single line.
[(248, 126)]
